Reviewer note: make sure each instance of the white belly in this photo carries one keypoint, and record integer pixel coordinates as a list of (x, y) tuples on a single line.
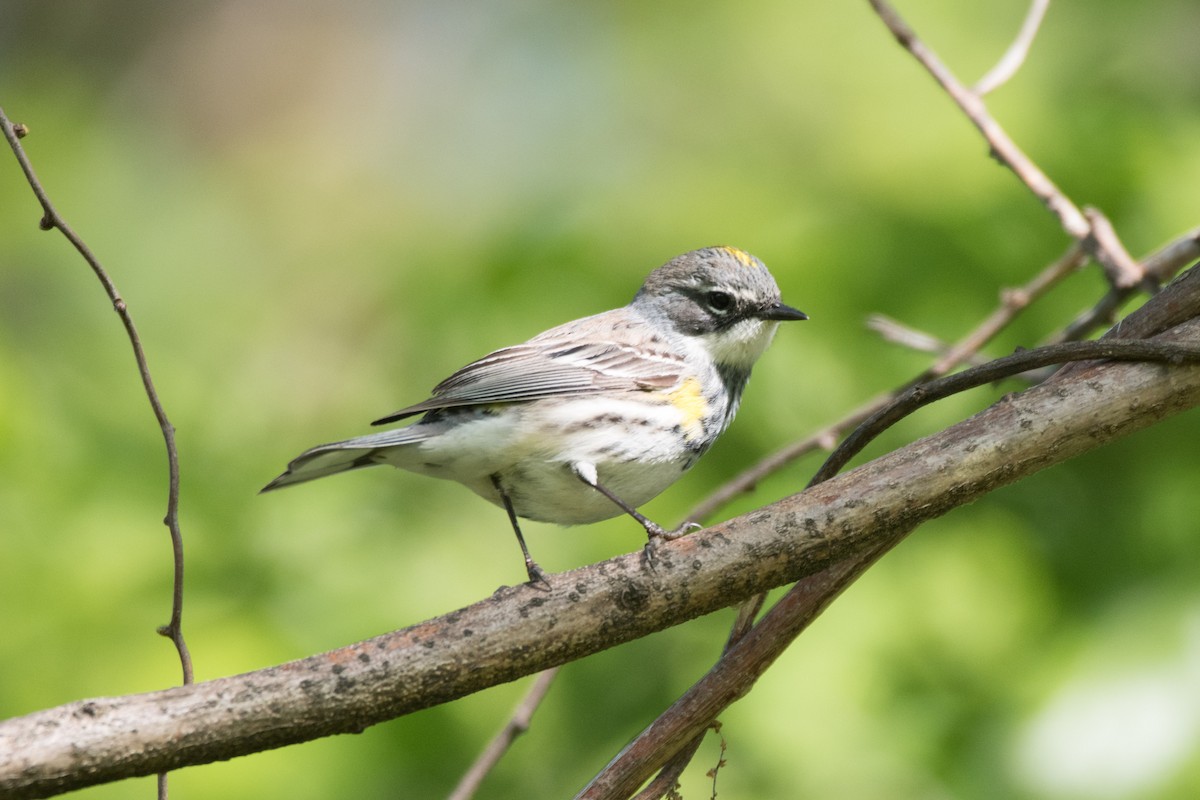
[(636, 448)]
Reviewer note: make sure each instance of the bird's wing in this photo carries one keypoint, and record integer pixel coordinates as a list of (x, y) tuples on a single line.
[(562, 361)]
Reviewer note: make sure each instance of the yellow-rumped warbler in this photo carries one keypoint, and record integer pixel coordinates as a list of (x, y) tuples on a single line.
[(594, 417)]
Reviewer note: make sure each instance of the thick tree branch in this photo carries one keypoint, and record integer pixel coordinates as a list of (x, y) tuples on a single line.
[(519, 631)]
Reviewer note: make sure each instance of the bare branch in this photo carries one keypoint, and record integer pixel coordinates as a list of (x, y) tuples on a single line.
[(52, 219), (1164, 263), (897, 333), (1120, 268), (1014, 57), (1003, 148)]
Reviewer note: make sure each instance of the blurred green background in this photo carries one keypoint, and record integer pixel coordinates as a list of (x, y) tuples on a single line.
[(318, 210)]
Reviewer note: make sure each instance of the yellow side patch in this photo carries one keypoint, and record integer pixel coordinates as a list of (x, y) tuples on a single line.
[(743, 258), (691, 403)]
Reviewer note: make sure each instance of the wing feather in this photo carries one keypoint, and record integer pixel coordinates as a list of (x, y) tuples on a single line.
[(560, 362)]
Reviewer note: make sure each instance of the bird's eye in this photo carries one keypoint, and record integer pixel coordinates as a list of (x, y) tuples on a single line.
[(719, 302)]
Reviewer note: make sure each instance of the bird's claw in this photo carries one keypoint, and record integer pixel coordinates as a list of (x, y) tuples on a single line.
[(656, 535), (537, 577)]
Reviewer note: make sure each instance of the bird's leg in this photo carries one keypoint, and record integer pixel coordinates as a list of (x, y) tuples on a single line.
[(655, 533), (536, 574)]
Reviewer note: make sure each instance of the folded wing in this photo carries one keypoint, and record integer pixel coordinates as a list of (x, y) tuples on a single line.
[(551, 365)]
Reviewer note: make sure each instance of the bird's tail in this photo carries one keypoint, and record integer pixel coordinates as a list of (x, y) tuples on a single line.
[(330, 459)]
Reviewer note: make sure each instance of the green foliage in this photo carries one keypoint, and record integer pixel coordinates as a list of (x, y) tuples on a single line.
[(316, 214)]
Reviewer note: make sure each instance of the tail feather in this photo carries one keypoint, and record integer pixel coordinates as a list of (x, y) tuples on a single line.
[(330, 459)]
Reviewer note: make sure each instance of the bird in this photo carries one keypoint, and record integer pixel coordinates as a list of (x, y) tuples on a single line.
[(592, 418)]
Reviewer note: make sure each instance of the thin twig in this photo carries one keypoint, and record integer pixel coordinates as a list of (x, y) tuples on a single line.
[(517, 724), (922, 395), (1159, 267), (896, 332), (1014, 57), (1003, 148), (51, 219), (1119, 267), (712, 773), (1163, 264), (668, 777)]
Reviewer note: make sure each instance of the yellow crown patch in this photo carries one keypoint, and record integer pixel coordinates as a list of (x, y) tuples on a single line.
[(742, 257)]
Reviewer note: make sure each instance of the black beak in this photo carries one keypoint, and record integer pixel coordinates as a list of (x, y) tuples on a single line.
[(778, 311)]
